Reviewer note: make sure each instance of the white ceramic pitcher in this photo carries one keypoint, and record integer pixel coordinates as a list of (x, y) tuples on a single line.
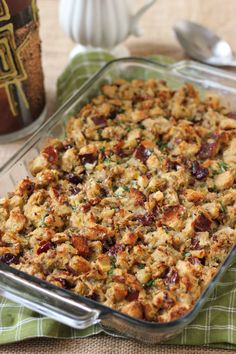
[(100, 23)]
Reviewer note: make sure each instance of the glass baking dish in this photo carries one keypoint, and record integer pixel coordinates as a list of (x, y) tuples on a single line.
[(63, 305)]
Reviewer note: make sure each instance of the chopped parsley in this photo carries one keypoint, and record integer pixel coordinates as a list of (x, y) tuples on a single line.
[(113, 260), (187, 254), (183, 214), (161, 158), (141, 126), (111, 271), (126, 188), (161, 145), (215, 172), (149, 283), (223, 166), (222, 208), (141, 265), (120, 110), (107, 161), (42, 221), (115, 208), (113, 265)]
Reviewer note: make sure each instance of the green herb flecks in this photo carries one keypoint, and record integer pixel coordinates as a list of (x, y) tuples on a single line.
[(126, 188), (141, 126), (111, 271), (141, 265), (223, 166), (187, 254), (183, 214), (223, 208), (162, 146), (120, 110), (113, 265), (161, 158), (42, 221), (217, 259), (149, 283), (107, 161)]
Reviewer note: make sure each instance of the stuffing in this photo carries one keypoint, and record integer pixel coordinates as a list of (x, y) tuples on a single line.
[(136, 207)]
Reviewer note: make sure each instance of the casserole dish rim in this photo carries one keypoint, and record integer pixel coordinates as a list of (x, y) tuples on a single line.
[(42, 133)]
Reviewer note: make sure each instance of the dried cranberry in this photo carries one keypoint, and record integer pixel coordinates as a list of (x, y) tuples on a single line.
[(29, 187), (86, 207), (140, 98), (56, 192), (71, 270), (172, 165), (139, 197), (163, 82), (100, 121), (167, 302), (93, 296), (9, 258), (64, 283), (44, 247), (51, 154), (142, 153), (132, 295), (107, 243), (146, 219), (194, 260), (118, 247), (87, 158), (120, 152), (171, 277), (118, 279), (113, 114), (198, 171), (207, 150), (75, 179), (67, 145), (232, 115), (118, 149), (202, 223), (195, 243), (74, 190), (164, 95)]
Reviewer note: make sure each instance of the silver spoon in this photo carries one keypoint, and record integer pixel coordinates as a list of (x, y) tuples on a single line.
[(203, 45)]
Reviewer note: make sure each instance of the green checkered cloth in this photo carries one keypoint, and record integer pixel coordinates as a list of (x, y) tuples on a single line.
[(214, 326)]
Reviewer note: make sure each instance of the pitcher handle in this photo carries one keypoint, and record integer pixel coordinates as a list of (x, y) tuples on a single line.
[(135, 18)]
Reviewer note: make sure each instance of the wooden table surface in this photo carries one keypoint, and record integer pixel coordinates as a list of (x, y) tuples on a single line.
[(158, 38)]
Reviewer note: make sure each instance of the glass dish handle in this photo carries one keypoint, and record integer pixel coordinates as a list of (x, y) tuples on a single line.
[(206, 75), (50, 303)]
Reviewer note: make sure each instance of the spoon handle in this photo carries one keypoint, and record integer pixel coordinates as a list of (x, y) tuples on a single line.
[(233, 63)]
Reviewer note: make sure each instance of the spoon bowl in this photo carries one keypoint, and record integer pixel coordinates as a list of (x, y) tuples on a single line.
[(203, 45)]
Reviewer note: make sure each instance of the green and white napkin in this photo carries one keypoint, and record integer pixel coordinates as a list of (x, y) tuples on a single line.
[(214, 326)]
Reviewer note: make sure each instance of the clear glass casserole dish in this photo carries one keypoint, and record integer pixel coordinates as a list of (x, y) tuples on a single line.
[(63, 305)]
